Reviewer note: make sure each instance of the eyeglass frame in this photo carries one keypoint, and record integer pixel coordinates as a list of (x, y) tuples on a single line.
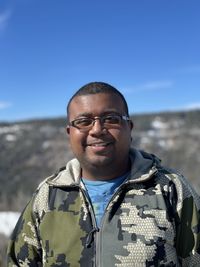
[(100, 118)]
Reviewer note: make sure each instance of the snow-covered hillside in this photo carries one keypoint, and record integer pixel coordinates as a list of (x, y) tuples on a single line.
[(8, 221)]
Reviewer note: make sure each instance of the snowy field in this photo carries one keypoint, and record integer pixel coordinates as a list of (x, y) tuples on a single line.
[(8, 221)]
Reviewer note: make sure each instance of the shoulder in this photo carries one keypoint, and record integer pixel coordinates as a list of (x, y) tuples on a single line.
[(185, 191), (66, 176)]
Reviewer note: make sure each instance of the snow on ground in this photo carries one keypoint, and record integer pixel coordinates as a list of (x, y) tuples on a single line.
[(159, 124), (8, 219), (9, 129)]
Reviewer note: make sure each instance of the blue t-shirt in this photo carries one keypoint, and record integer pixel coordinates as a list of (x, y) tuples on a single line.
[(100, 192)]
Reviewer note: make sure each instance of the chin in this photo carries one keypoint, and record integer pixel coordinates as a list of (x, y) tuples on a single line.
[(100, 162)]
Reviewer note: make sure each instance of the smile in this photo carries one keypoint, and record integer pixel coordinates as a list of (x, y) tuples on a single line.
[(99, 144)]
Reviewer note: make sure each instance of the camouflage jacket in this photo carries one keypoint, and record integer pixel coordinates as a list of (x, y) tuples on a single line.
[(152, 219)]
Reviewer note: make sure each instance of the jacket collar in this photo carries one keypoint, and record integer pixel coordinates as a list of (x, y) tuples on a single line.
[(143, 167)]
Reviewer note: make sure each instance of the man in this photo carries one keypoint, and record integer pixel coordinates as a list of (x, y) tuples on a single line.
[(111, 205)]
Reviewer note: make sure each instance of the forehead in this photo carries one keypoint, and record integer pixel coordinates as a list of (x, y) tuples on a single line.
[(96, 104)]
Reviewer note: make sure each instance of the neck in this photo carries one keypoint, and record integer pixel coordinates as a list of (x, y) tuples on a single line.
[(105, 173)]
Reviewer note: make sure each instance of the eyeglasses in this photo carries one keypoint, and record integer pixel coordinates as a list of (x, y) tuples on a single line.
[(108, 121)]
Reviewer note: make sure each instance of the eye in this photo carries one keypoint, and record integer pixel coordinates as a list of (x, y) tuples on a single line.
[(112, 119), (82, 122)]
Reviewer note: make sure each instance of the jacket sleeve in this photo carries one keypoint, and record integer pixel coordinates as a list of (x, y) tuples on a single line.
[(24, 247), (188, 224)]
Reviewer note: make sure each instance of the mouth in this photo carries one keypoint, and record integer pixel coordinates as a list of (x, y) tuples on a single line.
[(99, 144), (99, 147)]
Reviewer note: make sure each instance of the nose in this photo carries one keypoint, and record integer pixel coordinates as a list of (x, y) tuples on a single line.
[(97, 127)]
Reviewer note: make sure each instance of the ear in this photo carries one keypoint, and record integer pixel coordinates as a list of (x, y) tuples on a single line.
[(68, 129), (131, 124)]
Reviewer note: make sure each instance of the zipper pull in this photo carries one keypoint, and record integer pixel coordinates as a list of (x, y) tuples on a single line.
[(90, 236)]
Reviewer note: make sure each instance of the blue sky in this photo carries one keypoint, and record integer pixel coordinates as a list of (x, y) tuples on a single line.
[(148, 49)]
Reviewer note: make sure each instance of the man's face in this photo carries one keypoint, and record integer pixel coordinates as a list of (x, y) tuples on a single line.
[(100, 148)]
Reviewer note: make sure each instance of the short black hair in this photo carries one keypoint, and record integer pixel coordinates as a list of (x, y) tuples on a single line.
[(96, 88)]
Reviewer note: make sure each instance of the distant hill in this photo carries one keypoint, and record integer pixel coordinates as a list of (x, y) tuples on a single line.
[(32, 150)]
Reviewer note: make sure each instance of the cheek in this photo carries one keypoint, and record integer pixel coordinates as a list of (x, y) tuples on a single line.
[(123, 141), (122, 136), (76, 147), (76, 140)]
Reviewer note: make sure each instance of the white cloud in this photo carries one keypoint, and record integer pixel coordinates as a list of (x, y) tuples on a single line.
[(192, 106), (155, 85), (4, 17), (4, 105), (150, 86), (187, 107)]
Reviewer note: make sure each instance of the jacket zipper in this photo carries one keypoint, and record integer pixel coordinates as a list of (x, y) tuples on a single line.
[(94, 233), (99, 234)]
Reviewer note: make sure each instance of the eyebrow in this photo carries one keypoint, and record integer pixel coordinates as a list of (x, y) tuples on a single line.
[(89, 114)]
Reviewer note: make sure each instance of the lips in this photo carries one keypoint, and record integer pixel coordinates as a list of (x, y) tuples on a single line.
[(99, 147), (99, 144)]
